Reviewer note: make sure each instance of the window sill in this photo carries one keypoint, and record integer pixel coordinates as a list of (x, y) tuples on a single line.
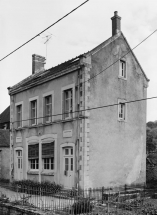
[(120, 77), (122, 120), (47, 173), (33, 172)]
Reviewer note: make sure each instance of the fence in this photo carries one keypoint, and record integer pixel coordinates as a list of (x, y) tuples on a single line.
[(90, 201)]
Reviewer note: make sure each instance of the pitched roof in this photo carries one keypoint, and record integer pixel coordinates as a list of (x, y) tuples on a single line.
[(4, 138), (5, 115), (36, 78)]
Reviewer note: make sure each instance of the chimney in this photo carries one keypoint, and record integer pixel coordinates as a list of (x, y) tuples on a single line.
[(116, 23), (37, 63)]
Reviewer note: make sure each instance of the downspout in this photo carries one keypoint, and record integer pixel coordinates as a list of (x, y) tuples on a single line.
[(78, 130)]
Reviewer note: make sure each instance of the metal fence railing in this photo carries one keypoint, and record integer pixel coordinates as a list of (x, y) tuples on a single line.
[(102, 200)]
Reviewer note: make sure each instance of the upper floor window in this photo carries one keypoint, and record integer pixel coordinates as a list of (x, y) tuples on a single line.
[(122, 69), (122, 110), (33, 112), (67, 103), (19, 115), (48, 108)]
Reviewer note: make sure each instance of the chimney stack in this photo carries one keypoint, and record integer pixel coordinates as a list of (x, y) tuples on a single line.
[(38, 63), (116, 23)]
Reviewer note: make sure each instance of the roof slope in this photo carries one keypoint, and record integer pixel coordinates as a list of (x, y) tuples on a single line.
[(4, 138), (5, 115), (35, 79)]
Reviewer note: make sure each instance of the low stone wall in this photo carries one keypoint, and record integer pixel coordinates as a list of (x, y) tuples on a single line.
[(8, 209)]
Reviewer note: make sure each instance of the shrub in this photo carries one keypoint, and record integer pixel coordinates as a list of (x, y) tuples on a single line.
[(82, 206), (33, 187)]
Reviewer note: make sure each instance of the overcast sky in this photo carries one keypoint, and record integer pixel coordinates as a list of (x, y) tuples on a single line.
[(81, 31)]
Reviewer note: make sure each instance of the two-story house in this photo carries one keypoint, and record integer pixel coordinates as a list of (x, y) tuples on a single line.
[(74, 123)]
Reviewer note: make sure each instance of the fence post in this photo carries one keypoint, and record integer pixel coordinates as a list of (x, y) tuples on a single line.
[(102, 195)]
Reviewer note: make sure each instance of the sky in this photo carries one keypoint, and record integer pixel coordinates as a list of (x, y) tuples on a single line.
[(81, 31)]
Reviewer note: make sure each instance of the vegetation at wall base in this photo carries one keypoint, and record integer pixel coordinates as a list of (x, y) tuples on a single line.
[(37, 188)]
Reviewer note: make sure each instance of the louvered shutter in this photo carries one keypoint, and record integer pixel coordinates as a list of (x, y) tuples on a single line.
[(48, 150), (33, 151)]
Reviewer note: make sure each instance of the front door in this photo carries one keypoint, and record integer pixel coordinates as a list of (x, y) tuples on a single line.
[(68, 167), (19, 165)]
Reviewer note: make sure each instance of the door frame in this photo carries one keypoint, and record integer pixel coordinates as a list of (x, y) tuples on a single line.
[(15, 161), (62, 146)]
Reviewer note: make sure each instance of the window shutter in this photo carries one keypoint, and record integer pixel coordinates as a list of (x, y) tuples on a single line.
[(33, 151), (48, 150)]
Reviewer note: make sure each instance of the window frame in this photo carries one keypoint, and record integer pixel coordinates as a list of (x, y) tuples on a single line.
[(63, 89), (21, 122), (37, 110), (33, 158), (48, 157), (124, 118), (50, 93), (120, 70)]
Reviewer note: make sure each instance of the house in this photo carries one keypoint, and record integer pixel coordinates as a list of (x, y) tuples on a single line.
[(71, 124), (5, 119), (4, 154)]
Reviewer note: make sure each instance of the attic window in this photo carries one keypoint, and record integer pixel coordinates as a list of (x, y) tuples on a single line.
[(122, 69)]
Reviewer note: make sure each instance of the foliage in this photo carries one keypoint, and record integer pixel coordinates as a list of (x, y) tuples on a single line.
[(4, 180), (34, 187), (82, 206), (150, 144)]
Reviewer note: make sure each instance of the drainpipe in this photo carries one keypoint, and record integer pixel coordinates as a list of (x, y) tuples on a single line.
[(40, 160)]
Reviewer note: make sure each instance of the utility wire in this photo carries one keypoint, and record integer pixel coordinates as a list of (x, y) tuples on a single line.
[(119, 58), (88, 109), (44, 30)]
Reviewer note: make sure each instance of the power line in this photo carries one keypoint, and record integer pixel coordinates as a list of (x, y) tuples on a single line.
[(120, 57), (88, 109), (44, 30)]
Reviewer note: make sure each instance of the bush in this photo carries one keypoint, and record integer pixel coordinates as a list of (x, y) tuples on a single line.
[(4, 180), (82, 206), (33, 187)]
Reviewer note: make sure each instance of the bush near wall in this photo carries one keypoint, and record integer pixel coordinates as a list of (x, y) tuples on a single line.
[(32, 187)]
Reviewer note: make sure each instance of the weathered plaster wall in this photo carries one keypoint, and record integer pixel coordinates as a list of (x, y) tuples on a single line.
[(117, 149), (5, 162), (57, 128)]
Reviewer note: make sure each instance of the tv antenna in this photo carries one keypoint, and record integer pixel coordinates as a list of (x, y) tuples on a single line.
[(47, 40)]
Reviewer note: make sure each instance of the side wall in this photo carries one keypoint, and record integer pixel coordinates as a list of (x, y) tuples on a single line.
[(117, 152)]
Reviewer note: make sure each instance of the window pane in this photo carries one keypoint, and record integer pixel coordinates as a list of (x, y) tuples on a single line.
[(52, 163), (66, 164), (66, 151), (71, 164), (72, 151)]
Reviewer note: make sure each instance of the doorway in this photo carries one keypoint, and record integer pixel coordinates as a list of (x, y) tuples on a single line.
[(19, 164), (68, 167)]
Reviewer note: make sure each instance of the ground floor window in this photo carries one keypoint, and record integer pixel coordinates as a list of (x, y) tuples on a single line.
[(34, 163), (48, 163), (48, 156), (33, 156)]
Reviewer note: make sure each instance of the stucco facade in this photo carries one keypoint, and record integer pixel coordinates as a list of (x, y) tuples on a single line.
[(101, 141)]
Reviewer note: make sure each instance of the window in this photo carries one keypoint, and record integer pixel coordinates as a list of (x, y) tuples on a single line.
[(19, 115), (122, 110), (33, 156), (48, 108), (122, 69), (68, 160), (68, 103), (34, 112), (48, 156)]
